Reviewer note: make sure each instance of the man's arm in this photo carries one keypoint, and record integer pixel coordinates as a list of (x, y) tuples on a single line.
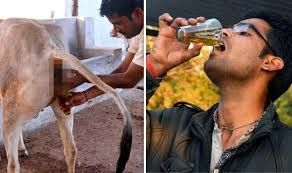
[(126, 79), (122, 77), (125, 64), (73, 78), (167, 51), (127, 75), (151, 85), (166, 54)]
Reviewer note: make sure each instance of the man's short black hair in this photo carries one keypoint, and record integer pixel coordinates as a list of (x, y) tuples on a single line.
[(120, 7), (280, 39)]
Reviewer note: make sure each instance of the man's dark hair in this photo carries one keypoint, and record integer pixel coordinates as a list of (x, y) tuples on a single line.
[(120, 7), (280, 39)]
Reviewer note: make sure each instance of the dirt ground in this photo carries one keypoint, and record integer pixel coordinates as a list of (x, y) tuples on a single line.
[(97, 131)]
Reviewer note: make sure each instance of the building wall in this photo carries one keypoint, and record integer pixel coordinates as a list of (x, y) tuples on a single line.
[(102, 27)]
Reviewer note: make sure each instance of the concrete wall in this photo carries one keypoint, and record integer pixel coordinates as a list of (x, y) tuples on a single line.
[(79, 32), (102, 27), (69, 26)]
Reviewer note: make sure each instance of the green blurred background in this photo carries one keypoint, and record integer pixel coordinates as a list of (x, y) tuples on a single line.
[(188, 82)]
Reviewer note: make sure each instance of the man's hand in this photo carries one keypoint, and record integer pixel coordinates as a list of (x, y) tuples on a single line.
[(167, 52), (71, 100)]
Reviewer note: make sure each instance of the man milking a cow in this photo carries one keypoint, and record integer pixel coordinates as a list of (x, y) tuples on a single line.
[(127, 18)]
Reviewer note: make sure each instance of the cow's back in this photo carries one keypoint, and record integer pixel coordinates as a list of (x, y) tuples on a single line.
[(26, 68), (57, 36)]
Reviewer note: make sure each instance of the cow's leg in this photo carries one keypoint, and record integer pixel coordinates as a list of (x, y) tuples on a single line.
[(65, 123), (22, 151), (11, 133)]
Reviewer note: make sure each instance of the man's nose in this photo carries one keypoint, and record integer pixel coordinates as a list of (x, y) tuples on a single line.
[(116, 29), (227, 32)]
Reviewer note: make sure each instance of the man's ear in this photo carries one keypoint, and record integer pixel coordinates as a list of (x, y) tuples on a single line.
[(272, 63), (137, 13)]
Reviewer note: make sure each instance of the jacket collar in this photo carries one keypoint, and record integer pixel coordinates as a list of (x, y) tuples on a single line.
[(266, 125), (204, 122)]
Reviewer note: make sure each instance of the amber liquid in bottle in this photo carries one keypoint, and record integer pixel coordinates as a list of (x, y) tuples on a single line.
[(207, 37)]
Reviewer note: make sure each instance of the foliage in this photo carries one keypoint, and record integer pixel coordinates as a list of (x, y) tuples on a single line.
[(284, 107), (188, 83)]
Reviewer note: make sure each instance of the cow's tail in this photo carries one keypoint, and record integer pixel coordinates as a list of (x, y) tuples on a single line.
[(126, 139)]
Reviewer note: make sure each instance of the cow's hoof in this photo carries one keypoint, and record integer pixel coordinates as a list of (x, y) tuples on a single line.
[(23, 153)]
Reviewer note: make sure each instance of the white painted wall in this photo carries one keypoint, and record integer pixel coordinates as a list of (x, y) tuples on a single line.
[(37, 9)]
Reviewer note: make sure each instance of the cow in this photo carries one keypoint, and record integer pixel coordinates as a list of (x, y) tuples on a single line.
[(29, 53)]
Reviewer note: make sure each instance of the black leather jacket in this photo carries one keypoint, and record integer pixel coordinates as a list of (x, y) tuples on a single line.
[(179, 140)]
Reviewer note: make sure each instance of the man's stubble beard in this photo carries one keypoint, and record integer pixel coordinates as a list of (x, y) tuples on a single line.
[(222, 73)]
